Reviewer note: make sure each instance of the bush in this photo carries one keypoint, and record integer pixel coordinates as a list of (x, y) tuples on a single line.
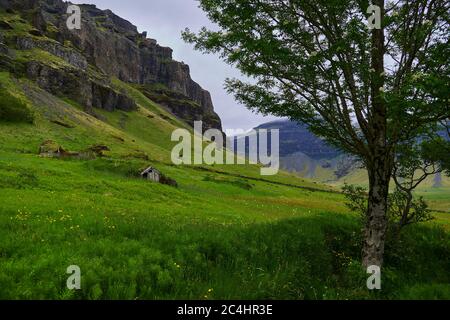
[(13, 109), (403, 209), (168, 181)]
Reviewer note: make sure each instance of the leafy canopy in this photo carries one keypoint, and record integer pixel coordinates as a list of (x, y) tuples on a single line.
[(317, 62)]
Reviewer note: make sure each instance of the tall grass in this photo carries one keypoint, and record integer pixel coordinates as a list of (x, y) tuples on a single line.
[(204, 240)]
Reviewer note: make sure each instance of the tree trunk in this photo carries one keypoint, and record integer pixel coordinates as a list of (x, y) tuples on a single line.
[(376, 219), (379, 162), (405, 215)]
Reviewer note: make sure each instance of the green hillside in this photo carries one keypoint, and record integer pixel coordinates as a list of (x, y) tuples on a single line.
[(225, 232), (282, 237), (437, 196)]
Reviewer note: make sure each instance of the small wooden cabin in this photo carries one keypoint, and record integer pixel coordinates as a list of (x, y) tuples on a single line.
[(151, 174)]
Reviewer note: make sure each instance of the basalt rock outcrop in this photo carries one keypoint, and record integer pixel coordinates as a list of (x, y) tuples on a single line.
[(114, 48), (181, 105), (77, 85)]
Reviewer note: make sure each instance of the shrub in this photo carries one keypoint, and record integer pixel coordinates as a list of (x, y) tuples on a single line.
[(168, 181), (403, 209), (13, 109)]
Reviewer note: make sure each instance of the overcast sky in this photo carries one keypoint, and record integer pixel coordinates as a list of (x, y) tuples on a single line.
[(164, 20)]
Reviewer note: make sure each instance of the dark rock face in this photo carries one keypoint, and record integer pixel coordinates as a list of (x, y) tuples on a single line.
[(3, 48), (181, 106), (5, 25), (72, 57), (76, 85), (116, 48), (109, 99)]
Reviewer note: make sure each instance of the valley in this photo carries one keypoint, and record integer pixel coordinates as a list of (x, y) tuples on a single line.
[(224, 232)]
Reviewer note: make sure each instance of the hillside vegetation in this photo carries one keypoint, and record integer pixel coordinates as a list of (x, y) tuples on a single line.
[(221, 228), (224, 233)]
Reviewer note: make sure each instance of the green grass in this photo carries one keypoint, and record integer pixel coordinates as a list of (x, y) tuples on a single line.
[(19, 26), (44, 56), (12, 109), (438, 198), (134, 239), (225, 232)]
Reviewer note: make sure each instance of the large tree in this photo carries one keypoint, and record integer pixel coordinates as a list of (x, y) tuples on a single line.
[(365, 90)]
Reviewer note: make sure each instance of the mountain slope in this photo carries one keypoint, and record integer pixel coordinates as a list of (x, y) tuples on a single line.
[(223, 226), (80, 100), (81, 63), (306, 155), (295, 137), (223, 232)]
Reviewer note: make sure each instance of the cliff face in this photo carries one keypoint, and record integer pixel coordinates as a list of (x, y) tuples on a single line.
[(116, 49)]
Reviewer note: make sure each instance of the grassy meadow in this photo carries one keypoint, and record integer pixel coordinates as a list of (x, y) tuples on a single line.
[(224, 233)]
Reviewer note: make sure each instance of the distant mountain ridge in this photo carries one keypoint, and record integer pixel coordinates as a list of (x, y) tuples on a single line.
[(295, 137), (304, 153), (311, 157)]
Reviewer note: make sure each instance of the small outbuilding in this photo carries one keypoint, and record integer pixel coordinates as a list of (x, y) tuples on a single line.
[(151, 174)]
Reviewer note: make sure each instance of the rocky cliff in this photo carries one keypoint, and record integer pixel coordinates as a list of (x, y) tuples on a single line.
[(106, 47)]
